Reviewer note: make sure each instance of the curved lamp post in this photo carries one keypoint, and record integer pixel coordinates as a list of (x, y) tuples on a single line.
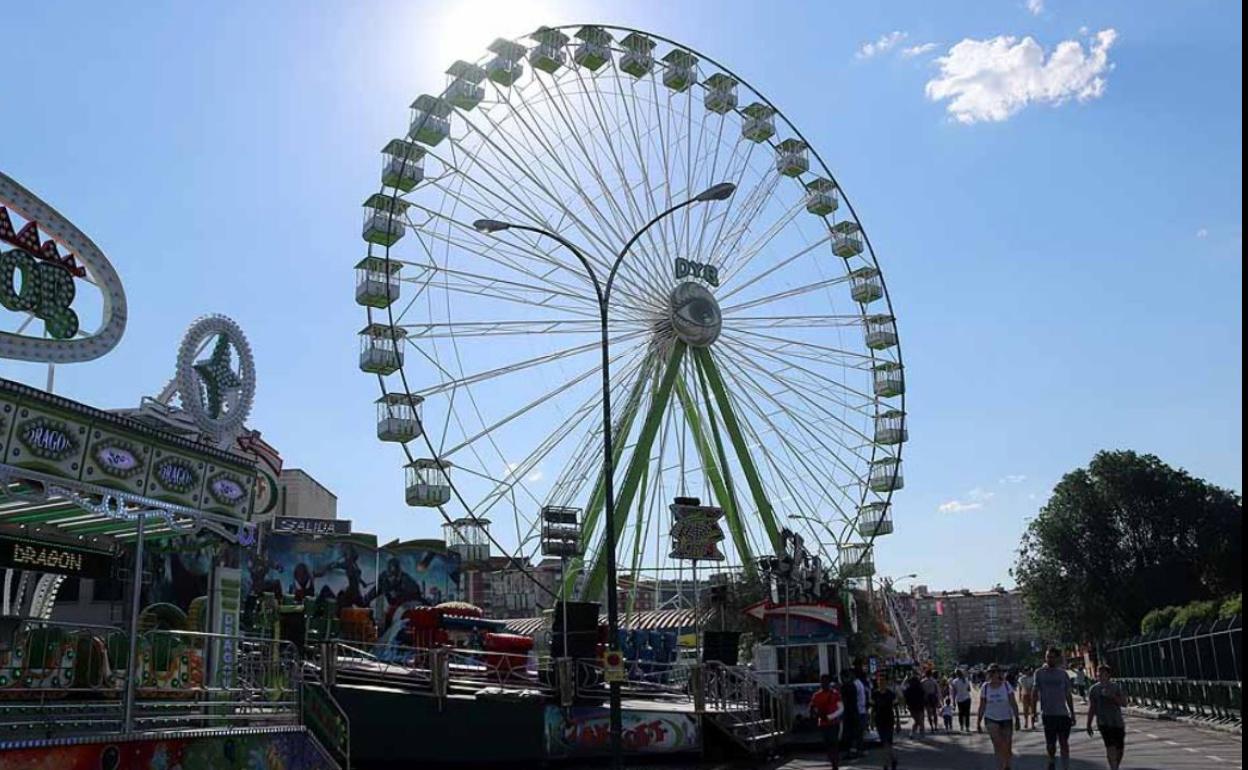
[(718, 192)]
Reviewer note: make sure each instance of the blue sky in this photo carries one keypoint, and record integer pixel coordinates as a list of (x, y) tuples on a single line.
[(1067, 278)]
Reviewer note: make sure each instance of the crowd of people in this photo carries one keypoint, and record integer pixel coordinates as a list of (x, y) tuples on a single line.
[(1009, 701)]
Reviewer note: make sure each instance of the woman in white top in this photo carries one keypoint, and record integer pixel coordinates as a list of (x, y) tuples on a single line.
[(998, 706), (1027, 681)]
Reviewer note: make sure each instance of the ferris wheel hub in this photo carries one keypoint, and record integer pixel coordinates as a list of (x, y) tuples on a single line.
[(695, 315)]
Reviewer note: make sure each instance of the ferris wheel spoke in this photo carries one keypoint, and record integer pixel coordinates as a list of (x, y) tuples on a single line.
[(818, 386), (493, 287), (518, 366), (635, 217), (536, 402), (794, 292), (653, 250), (783, 436), (549, 254), (499, 328), (750, 323), (512, 155), (824, 384), (813, 351), (503, 252), (738, 288), (586, 412), (741, 256), (586, 231)]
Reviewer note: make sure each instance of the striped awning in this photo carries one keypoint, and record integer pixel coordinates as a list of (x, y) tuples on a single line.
[(678, 620)]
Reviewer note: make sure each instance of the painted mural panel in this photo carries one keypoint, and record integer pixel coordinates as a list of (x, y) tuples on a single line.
[(294, 568), (416, 573), (291, 750), (586, 732)]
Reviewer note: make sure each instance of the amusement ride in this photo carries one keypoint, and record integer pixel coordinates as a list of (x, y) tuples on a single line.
[(754, 356)]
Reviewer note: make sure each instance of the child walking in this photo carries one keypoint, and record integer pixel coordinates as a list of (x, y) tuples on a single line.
[(946, 713)]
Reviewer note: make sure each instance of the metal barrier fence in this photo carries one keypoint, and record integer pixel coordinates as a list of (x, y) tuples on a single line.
[(64, 679), (1194, 669)]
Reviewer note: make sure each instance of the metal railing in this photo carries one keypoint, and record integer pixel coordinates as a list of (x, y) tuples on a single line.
[(62, 679), (1191, 670), (756, 712)]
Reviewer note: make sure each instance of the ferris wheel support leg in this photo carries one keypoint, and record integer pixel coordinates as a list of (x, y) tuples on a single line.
[(593, 511), (702, 357), (726, 499), (639, 460)]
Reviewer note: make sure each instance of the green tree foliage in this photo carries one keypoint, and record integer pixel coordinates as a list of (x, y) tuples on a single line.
[(1123, 536), (1232, 607), (1158, 619), (1196, 612)]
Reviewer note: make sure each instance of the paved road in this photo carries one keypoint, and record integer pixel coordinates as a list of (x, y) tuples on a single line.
[(1151, 745)]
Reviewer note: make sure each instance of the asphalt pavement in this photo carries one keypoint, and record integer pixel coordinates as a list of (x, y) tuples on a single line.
[(1151, 745)]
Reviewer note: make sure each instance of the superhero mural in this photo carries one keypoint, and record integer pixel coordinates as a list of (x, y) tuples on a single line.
[(413, 574), (297, 567)]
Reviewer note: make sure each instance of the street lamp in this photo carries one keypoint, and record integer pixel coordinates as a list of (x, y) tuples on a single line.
[(717, 192)]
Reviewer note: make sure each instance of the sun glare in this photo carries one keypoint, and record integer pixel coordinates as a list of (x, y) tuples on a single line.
[(468, 26)]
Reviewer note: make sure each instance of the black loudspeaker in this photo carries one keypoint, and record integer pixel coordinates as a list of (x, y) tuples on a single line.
[(721, 646), (582, 630)]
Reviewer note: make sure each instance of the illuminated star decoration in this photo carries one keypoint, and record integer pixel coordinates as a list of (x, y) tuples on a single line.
[(216, 375)]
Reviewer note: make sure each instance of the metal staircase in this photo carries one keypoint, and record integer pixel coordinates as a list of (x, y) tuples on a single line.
[(906, 627), (754, 713)]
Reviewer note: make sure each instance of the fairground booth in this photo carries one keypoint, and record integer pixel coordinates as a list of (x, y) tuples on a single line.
[(122, 534)]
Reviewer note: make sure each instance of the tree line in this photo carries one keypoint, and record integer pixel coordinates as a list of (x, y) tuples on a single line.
[(1130, 538)]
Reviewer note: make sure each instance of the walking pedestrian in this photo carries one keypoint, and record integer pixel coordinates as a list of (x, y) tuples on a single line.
[(849, 722), (1105, 702), (1027, 681), (915, 703), (960, 690), (931, 698), (863, 692), (827, 709), (1057, 706), (946, 714), (1081, 683), (884, 705), (999, 708)]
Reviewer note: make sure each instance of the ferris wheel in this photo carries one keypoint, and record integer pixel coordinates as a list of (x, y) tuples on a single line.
[(754, 358)]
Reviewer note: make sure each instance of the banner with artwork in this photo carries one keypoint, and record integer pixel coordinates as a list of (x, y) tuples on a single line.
[(298, 567), (416, 573), (586, 732)]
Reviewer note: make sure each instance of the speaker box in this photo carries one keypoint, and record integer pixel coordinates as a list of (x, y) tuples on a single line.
[(721, 646), (582, 630)]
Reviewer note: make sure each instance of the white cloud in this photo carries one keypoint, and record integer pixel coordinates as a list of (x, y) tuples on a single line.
[(884, 44), (1035, 7), (918, 50), (991, 80), (976, 499), (1013, 478), (958, 506), (535, 476), (1202, 233)]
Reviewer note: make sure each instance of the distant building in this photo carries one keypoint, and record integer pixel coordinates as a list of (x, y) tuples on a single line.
[(972, 623), (301, 496)]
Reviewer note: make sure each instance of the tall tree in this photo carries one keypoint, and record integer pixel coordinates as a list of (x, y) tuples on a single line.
[(1123, 536)]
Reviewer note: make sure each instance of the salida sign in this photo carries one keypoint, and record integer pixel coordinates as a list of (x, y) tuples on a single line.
[(582, 732)]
